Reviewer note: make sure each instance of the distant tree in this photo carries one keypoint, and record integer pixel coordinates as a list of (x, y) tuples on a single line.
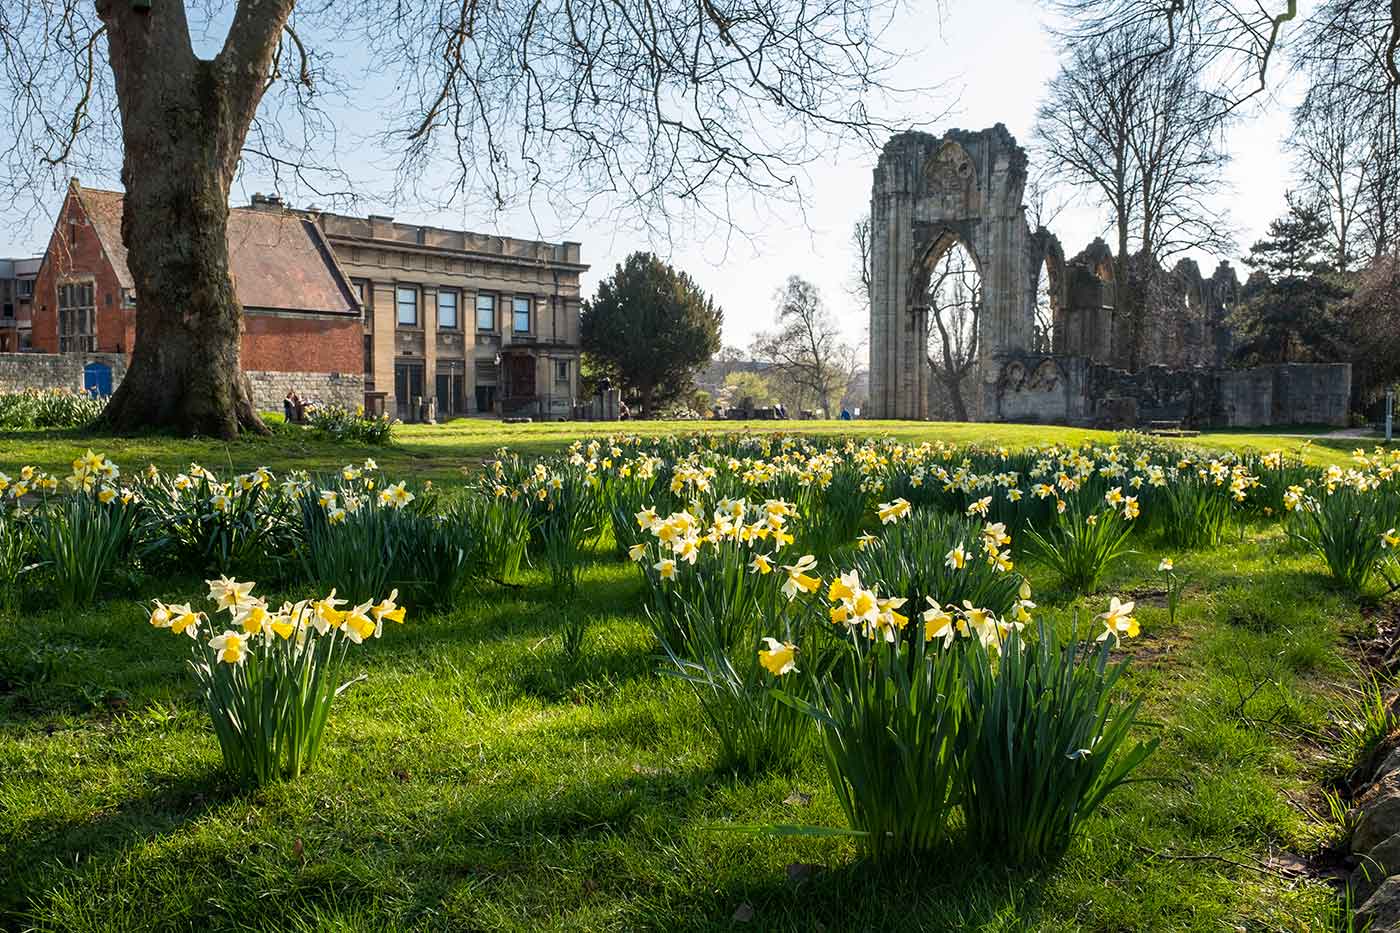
[(650, 328), (806, 349), (751, 387), (954, 310), (1288, 311), (861, 283), (1372, 320), (728, 359)]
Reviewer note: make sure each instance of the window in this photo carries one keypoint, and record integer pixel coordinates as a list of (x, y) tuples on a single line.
[(77, 318), (26, 288), (128, 298), (521, 308), (362, 294), (407, 298), (485, 312), (561, 370), (447, 308)]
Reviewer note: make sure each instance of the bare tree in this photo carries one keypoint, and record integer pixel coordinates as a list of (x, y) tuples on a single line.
[(650, 102), (1330, 154), (1139, 135), (806, 349), (955, 308), (1236, 41), (862, 269)]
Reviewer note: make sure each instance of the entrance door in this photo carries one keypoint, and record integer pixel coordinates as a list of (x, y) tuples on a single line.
[(522, 377), (97, 380), (408, 385)]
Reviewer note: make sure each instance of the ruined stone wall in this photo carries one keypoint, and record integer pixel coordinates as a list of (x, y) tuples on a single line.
[(20, 371), (1056, 389)]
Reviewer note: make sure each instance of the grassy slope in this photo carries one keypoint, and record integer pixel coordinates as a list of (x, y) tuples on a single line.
[(477, 782)]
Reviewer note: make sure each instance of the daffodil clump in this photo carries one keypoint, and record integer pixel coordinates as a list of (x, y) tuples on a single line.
[(269, 675)]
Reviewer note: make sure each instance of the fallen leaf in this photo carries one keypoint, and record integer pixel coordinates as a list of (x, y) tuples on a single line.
[(798, 799), (743, 913)]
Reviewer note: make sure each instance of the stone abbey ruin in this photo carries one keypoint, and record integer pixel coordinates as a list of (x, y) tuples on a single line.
[(1156, 349)]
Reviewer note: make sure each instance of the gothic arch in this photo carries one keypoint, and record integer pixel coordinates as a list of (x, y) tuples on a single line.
[(930, 192)]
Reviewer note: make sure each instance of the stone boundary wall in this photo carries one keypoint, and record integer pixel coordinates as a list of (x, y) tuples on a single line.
[(20, 371), (269, 388), (1061, 389)]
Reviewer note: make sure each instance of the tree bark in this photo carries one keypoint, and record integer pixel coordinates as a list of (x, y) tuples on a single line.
[(184, 120)]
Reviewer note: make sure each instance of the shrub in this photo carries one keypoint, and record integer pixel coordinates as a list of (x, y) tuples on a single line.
[(270, 677), (1045, 743), (338, 423)]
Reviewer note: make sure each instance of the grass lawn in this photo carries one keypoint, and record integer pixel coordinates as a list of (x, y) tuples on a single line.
[(439, 452), (479, 781)]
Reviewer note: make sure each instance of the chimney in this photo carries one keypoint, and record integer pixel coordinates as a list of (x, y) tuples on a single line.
[(381, 227), (266, 202)]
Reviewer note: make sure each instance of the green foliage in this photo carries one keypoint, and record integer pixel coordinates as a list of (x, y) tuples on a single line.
[(908, 560), (889, 715), (1079, 547), (374, 548), (1193, 512), (1346, 526), (757, 729), (338, 423), (79, 543), (1046, 742), (1288, 311), (649, 328), (568, 515), (242, 528), (57, 408)]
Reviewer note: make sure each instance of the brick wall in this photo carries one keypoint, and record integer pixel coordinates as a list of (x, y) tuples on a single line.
[(19, 371), (75, 254), (299, 343)]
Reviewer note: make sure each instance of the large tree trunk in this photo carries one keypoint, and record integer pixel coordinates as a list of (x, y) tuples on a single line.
[(183, 124)]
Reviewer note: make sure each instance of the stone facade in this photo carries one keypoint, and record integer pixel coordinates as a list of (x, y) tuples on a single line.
[(1130, 341), (20, 371), (270, 388), (477, 323)]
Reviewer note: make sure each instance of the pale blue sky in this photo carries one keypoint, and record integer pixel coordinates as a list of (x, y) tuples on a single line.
[(992, 59)]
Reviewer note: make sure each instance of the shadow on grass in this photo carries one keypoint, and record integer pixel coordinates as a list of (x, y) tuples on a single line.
[(160, 808)]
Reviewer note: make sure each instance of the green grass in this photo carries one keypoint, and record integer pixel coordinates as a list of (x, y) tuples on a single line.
[(478, 781), (439, 452)]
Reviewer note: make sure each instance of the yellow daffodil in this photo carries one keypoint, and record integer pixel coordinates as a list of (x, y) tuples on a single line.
[(1166, 566), (761, 564), (1118, 621), (666, 567), (956, 559), (799, 581), (779, 657), (228, 593), (231, 646), (637, 551)]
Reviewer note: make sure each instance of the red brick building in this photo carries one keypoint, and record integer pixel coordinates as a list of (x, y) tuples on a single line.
[(302, 321)]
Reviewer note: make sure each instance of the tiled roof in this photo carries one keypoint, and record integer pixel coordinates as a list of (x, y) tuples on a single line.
[(278, 260)]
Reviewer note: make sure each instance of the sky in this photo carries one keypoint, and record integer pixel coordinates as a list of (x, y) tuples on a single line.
[(989, 59)]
